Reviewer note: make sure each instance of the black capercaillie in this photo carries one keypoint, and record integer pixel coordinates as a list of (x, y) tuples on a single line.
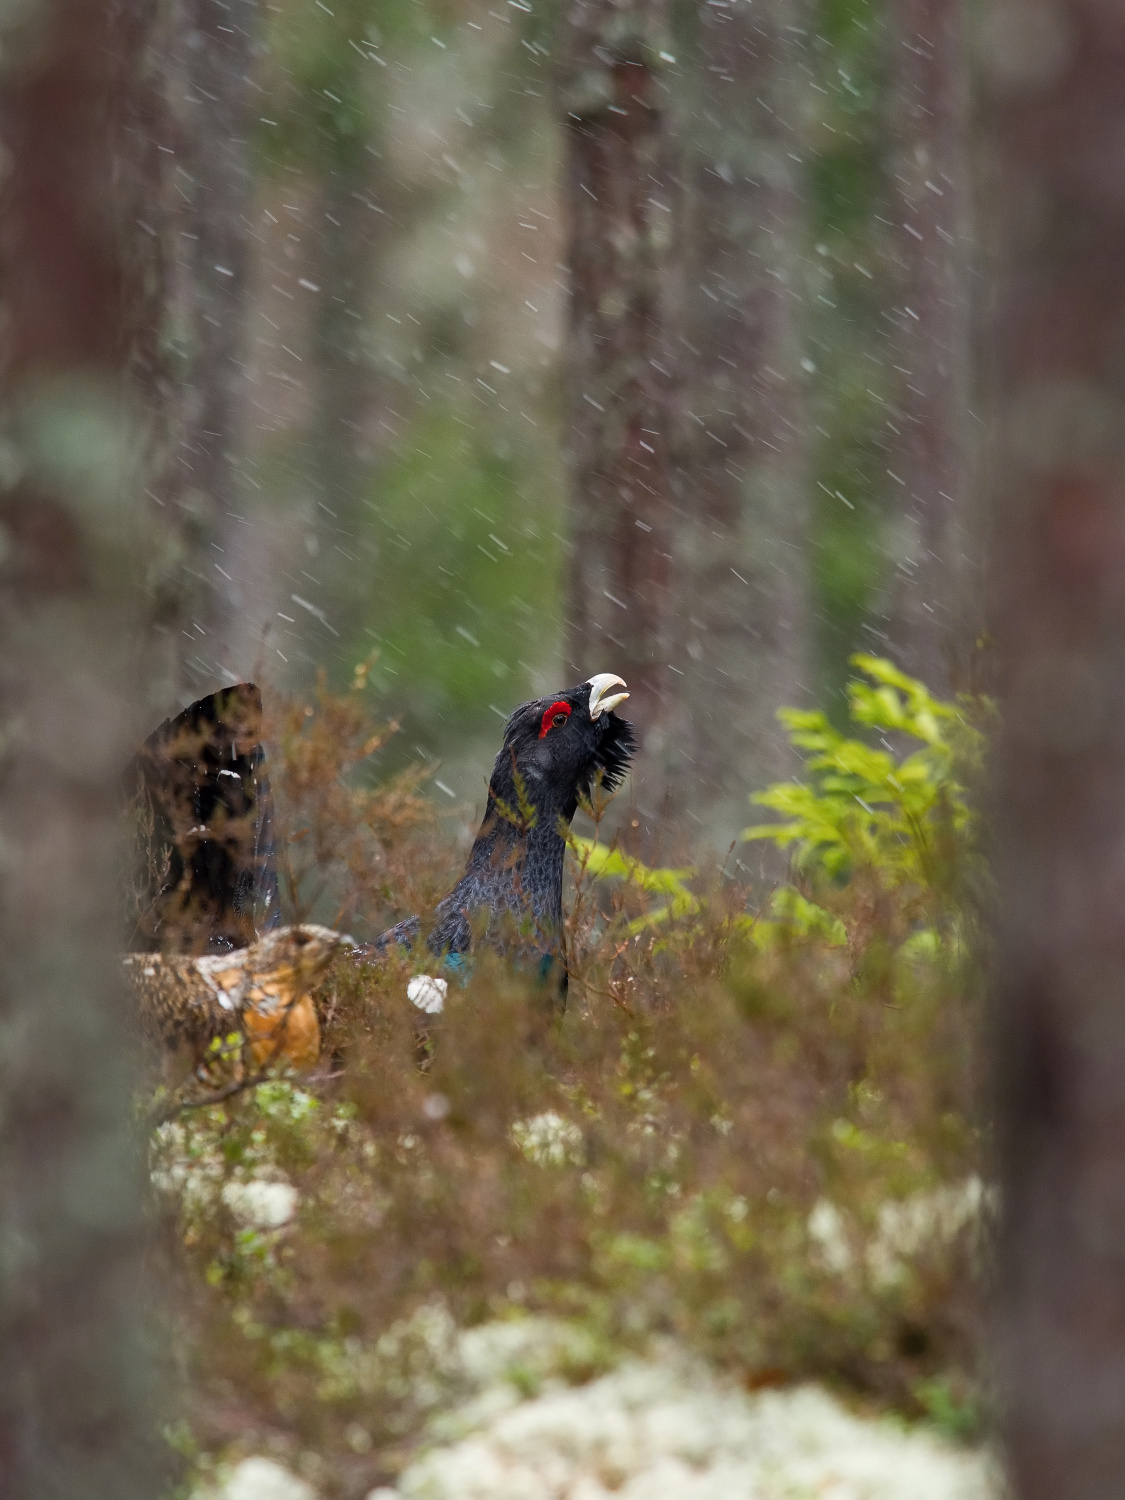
[(555, 749)]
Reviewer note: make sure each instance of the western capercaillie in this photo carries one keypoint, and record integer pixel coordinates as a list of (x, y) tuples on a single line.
[(262, 992), (205, 876), (555, 749), (205, 892), (215, 845)]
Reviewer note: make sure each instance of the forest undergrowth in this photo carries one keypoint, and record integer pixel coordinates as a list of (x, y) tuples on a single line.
[(754, 1128)]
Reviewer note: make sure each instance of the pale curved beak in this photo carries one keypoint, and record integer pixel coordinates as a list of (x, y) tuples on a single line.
[(602, 696)]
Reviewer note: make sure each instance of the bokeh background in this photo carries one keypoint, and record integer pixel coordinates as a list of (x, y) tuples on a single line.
[(373, 358)]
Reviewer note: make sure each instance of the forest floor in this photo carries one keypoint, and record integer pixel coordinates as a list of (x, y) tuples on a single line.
[(720, 1230)]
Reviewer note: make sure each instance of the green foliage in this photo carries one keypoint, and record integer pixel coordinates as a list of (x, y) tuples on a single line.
[(524, 816), (463, 577), (326, 78), (394, 140), (954, 1410), (792, 918), (607, 862), (849, 557), (893, 820), (903, 820)]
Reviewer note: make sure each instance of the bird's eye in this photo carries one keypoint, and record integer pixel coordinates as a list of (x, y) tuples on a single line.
[(555, 717)]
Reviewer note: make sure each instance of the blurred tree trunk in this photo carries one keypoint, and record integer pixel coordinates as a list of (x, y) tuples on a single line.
[(140, 126), (352, 251), (742, 569), (348, 259), (76, 1404), (197, 593), (1053, 204), (619, 198), (142, 166), (931, 459)]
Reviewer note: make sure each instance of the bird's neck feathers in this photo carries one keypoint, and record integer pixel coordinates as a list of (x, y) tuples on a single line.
[(515, 865)]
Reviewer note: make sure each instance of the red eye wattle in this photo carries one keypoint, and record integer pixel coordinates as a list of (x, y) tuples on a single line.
[(555, 717)]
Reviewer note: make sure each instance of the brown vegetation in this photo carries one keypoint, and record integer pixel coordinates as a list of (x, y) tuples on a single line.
[(706, 1143), (350, 849)]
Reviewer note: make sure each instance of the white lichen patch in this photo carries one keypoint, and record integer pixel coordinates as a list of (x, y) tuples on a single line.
[(414, 1362), (828, 1237), (905, 1230), (667, 1428), (199, 1177), (549, 1140), (189, 1161), (187, 1165), (907, 1227), (261, 1205), (258, 1479)]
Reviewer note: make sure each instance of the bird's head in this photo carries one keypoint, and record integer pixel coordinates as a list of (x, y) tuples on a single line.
[(293, 958), (564, 743)]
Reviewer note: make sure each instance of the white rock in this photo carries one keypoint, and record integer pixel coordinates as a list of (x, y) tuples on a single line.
[(262, 1205), (261, 1479), (428, 993)]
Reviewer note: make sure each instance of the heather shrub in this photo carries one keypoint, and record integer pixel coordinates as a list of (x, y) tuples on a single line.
[(352, 848), (753, 1128)]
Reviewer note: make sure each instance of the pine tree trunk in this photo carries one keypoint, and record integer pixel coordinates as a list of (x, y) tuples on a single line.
[(1052, 198), (352, 249), (742, 585), (198, 594), (348, 260), (619, 198), (930, 465), (76, 1409), (144, 164)]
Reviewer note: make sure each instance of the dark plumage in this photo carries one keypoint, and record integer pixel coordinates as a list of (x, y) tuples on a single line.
[(206, 876), (553, 753)]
